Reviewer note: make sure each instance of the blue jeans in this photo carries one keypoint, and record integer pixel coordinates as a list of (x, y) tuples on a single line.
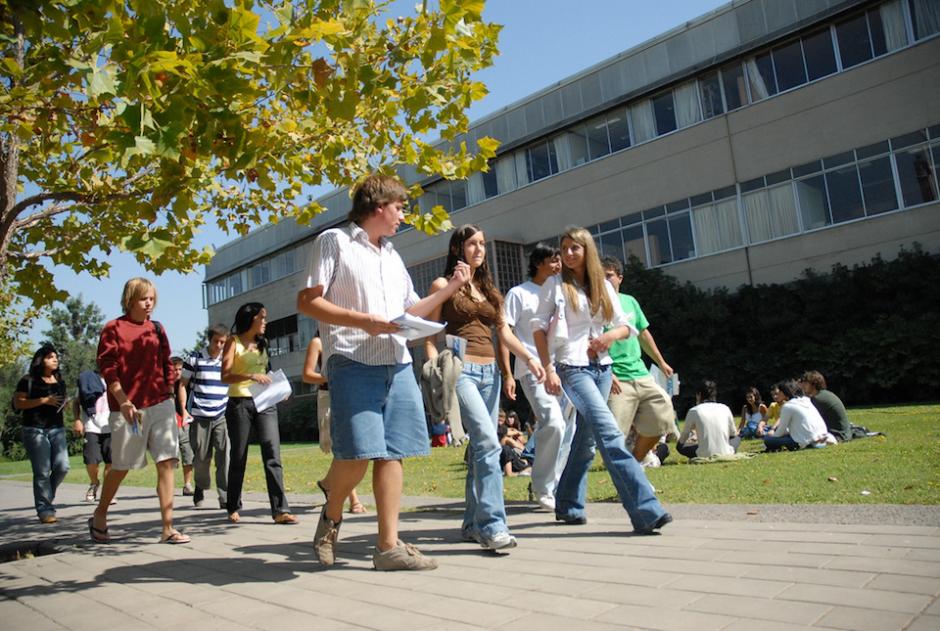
[(776, 443), (478, 395), (49, 454), (588, 387)]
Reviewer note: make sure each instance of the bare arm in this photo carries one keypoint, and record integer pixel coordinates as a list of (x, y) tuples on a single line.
[(20, 402), (310, 374), (311, 302), (181, 399), (552, 382), (648, 344), (509, 381), (429, 307), (509, 340)]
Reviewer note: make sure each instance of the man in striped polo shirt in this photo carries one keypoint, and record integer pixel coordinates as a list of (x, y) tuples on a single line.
[(207, 432)]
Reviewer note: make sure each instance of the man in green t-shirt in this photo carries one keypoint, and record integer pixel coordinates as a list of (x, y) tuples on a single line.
[(829, 405), (634, 395)]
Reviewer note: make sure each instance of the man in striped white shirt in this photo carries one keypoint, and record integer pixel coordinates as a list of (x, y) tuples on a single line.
[(356, 284), (207, 432)]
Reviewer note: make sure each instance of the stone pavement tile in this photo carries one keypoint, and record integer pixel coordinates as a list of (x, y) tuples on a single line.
[(562, 585), (934, 608), (692, 554), (731, 586), (664, 619), (647, 596), (386, 619), (775, 556), (581, 608), (850, 597), (633, 576), (830, 550), (757, 609), (925, 623), (859, 619), (469, 612), (923, 554), (194, 595), (544, 622), (837, 578), (880, 539), (16, 615), (908, 567), (715, 568), (764, 625), (78, 612), (912, 584), (298, 621), (491, 592), (780, 536)]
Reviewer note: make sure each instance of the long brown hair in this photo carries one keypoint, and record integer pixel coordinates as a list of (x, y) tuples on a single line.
[(593, 275), (481, 277)]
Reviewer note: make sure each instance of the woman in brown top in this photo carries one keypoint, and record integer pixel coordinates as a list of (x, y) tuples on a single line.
[(472, 314)]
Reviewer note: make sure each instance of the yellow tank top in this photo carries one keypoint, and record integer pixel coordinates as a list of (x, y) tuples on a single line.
[(246, 363)]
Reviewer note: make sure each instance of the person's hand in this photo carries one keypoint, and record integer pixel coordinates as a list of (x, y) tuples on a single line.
[(78, 427), (553, 383), (260, 378), (53, 399), (614, 385), (601, 343), (129, 411), (461, 275), (377, 325), (509, 387), (535, 367), (187, 418), (666, 369)]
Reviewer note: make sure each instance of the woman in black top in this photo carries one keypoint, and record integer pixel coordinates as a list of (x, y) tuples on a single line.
[(41, 396)]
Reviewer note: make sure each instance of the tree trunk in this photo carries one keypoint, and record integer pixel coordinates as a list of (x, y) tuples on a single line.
[(9, 165)]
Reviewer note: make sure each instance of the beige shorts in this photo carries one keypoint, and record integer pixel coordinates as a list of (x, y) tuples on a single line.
[(643, 403), (158, 434), (323, 420)]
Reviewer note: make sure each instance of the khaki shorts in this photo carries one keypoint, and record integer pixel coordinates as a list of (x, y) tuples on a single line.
[(645, 404), (158, 434)]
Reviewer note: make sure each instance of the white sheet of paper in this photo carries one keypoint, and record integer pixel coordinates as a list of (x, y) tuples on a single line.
[(669, 384), (413, 327), (267, 395)]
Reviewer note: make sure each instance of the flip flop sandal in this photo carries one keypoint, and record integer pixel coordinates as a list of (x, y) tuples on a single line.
[(176, 538), (97, 534), (286, 519), (357, 508)]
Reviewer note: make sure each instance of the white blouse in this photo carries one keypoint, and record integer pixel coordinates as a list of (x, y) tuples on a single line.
[(569, 330)]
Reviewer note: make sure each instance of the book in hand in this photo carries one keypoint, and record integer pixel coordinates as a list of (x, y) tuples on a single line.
[(415, 328), (267, 395)]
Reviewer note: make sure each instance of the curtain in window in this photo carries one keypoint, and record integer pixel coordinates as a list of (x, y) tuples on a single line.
[(759, 215), (522, 168), (783, 216), (475, 192), (687, 104), (717, 227), (644, 125), (926, 17), (758, 87), (892, 19), (562, 154)]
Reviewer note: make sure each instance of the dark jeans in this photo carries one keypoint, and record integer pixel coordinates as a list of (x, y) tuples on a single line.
[(776, 443), (688, 449), (48, 453), (240, 417)]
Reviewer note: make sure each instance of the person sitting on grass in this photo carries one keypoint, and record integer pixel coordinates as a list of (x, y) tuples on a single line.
[(829, 405), (753, 415), (712, 423), (800, 424)]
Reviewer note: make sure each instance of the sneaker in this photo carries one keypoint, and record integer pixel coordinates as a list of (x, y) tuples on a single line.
[(187, 490), (324, 541), (403, 556), (573, 520), (659, 523), (91, 495), (547, 502), (499, 541), (470, 536), (198, 497), (48, 518)]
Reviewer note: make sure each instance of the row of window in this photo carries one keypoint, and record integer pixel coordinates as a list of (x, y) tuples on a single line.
[(821, 52), (259, 273)]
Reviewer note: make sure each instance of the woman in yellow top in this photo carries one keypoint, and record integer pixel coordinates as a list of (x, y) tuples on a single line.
[(245, 361)]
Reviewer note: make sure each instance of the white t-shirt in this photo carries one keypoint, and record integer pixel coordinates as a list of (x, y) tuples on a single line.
[(518, 310), (714, 425), (801, 420)]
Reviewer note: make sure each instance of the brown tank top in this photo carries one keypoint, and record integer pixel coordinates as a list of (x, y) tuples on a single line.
[(471, 320)]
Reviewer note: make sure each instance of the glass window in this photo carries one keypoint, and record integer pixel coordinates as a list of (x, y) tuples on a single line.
[(918, 181), (845, 195), (633, 243), (788, 62), (442, 191), (936, 161), (688, 110), (577, 145), (658, 237), (854, 43), (490, 189), (680, 232), (732, 80), (261, 273), (771, 213), (664, 110), (611, 244), (926, 14), (458, 193), (710, 89), (888, 27), (760, 77), (541, 161), (235, 285), (878, 186), (598, 144), (717, 226), (814, 207), (644, 125), (619, 130), (820, 55)]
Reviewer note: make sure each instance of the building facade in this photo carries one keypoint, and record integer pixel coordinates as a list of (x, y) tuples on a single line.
[(761, 139)]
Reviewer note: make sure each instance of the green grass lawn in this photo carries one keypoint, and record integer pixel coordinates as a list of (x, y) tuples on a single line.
[(902, 467)]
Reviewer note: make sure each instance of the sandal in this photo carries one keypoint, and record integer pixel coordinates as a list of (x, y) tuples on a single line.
[(357, 508), (97, 535), (286, 519), (234, 517), (176, 538), (326, 492)]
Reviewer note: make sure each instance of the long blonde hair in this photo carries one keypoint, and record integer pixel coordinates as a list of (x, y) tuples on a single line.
[(593, 275)]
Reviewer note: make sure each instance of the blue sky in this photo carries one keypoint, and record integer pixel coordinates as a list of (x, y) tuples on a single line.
[(542, 42)]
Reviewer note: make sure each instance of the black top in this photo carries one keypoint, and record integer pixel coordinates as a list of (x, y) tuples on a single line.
[(44, 416)]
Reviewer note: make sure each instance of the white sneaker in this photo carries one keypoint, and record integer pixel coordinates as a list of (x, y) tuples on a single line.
[(499, 541), (547, 502)]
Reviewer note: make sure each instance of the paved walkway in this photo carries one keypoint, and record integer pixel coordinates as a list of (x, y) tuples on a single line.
[(733, 572)]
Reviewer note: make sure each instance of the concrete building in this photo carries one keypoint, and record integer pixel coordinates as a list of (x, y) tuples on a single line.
[(761, 139)]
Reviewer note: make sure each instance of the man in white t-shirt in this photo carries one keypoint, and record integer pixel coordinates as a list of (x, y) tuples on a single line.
[(91, 422), (553, 430), (713, 424)]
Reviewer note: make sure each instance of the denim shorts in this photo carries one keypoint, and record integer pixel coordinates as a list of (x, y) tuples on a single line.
[(376, 412)]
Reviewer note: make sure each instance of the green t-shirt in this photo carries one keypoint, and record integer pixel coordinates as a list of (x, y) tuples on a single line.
[(627, 354)]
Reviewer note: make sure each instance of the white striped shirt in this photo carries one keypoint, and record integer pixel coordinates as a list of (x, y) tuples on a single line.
[(209, 394), (357, 275)]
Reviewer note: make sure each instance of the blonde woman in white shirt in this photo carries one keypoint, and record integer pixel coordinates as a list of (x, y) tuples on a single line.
[(575, 309)]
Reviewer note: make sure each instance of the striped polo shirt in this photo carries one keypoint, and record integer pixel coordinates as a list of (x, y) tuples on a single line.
[(209, 395)]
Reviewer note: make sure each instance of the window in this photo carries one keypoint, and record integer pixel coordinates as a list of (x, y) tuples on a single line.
[(760, 77), (814, 207), (717, 226), (680, 232), (686, 100), (658, 236), (260, 273), (458, 194), (598, 144), (788, 62), (578, 145), (710, 88), (282, 336), (664, 110), (878, 186), (732, 79), (820, 55), (644, 125), (854, 43), (619, 130), (541, 161), (771, 213), (873, 33), (918, 181), (926, 15), (845, 195), (490, 188), (611, 244), (633, 243)]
